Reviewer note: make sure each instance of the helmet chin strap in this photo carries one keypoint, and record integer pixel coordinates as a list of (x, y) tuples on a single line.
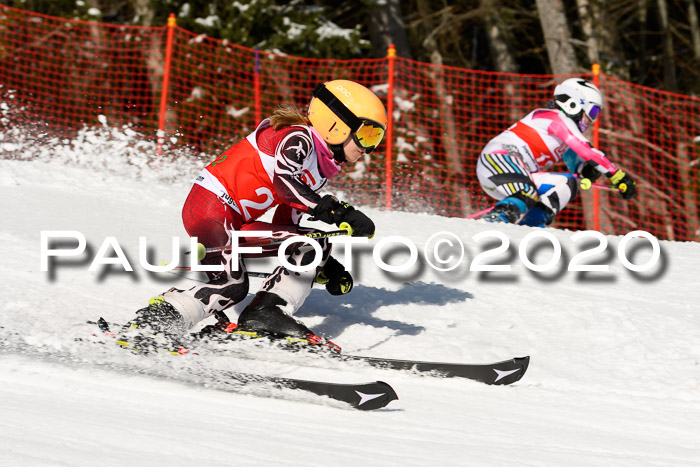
[(338, 152)]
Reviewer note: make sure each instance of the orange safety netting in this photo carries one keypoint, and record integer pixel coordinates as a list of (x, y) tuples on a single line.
[(64, 74)]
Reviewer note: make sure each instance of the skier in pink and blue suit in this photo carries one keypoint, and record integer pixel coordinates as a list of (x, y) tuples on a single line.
[(511, 166)]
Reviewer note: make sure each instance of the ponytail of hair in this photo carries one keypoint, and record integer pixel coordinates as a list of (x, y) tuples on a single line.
[(288, 115)]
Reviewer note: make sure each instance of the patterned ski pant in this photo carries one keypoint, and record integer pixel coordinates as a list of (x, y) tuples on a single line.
[(503, 174), (206, 217)]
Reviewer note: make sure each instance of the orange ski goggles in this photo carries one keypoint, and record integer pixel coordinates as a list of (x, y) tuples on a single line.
[(369, 135)]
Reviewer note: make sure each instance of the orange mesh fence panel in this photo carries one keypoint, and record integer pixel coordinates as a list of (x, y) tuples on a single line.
[(63, 74), (655, 136), (444, 116), (213, 87), (211, 96)]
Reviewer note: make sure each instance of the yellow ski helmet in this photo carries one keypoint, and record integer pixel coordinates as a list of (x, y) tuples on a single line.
[(341, 109)]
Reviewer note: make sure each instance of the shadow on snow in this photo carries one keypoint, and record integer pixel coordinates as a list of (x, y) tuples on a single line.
[(358, 307)]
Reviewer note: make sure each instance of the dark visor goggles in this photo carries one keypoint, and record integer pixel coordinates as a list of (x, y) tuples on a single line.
[(593, 112), (367, 134)]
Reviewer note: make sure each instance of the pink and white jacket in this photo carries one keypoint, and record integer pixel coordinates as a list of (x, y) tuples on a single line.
[(542, 138)]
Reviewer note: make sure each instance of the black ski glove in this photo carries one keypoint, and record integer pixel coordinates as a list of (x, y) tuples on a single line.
[(624, 184), (362, 226), (334, 276), (589, 171), (332, 211)]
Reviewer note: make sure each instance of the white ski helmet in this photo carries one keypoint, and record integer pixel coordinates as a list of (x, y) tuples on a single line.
[(576, 96)]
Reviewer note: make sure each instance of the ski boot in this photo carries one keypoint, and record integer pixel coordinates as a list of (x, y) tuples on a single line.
[(156, 327), (539, 215), (504, 211), (264, 317)]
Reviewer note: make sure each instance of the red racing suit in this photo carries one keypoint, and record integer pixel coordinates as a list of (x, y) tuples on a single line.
[(269, 168)]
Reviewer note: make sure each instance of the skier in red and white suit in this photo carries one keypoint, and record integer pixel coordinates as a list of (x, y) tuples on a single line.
[(510, 165), (283, 164)]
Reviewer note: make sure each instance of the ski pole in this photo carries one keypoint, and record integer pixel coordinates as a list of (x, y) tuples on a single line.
[(262, 275), (587, 185), (477, 214), (584, 183), (345, 229)]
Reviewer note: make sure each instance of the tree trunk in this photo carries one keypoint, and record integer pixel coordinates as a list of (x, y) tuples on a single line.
[(585, 13), (92, 51), (605, 32), (694, 28), (386, 27), (452, 180), (643, 15), (144, 12), (670, 83), (562, 58), (503, 60), (429, 43), (155, 61)]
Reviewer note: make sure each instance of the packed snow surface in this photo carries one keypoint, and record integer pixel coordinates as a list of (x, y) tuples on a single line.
[(613, 380)]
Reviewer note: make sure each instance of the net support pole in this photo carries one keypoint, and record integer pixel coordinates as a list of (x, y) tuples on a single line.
[(391, 56), (596, 140), (258, 112), (172, 22)]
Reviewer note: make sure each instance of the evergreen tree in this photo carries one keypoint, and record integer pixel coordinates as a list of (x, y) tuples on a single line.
[(295, 28)]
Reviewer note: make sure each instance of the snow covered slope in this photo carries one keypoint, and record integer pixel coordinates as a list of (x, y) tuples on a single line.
[(614, 377)]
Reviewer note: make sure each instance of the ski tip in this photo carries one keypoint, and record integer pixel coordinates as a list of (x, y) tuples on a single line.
[(519, 367), (508, 371), (391, 394), (524, 362), (373, 396)]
